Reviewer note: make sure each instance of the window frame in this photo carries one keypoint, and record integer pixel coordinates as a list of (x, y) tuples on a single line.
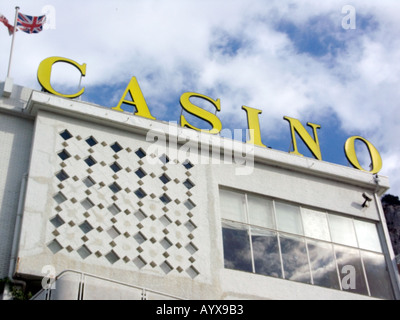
[(305, 238)]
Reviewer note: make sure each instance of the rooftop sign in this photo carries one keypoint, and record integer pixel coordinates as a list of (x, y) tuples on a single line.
[(138, 101)]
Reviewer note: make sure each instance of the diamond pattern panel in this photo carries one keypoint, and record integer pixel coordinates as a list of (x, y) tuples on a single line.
[(114, 205)]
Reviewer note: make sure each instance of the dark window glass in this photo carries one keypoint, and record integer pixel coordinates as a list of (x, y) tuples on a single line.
[(188, 184), (62, 175), (116, 147), (66, 135), (187, 164), (64, 155), (91, 141), (115, 167), (140, 193), (85, 227), (323, 266), (294, 258), (140, 153), (140, 173), (57, 221), (90, 161), (266, 253), (377, 275), (165, 179), (114, 187), (350, 270), (165, 199), (236, 247)]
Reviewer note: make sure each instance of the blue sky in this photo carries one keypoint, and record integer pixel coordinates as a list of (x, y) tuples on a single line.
[(286, 58)]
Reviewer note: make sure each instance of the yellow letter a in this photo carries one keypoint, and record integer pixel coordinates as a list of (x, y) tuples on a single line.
[(137, 100)]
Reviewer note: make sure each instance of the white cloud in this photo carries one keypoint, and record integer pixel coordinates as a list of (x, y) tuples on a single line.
[(238, 51)]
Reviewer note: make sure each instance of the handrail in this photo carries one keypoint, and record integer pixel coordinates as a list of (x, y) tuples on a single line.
[(144, 290)]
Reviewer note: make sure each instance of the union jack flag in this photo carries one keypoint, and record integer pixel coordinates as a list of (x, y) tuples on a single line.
[(5, 22), (30, 24)]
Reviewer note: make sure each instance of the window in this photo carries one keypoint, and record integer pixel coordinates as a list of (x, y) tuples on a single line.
[(64, 155), (90, 161), (140, 153), (288, 241), (165, 199), (261, 212), (140, 193), (62, 175), (266, 252), (164, 159), (115, 187), (116, 147), (140, 173), (66, 135), (188, 184), (187, 164), (237, 247), (165, 179), (323, 264), (115, 167), (91, 141), (288, 218)]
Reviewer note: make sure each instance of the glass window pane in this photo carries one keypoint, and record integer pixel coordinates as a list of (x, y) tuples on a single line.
[(261, 212), (266, 253), (323, 266), (367, 235), (342, 230), (377, 275), (294, 258), (232, 205), (350, 270), (288, 218), (315, 224), (237, 253)]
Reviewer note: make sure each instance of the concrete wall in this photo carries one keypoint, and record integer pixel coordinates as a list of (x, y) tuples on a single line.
[(15, 145), (171, 234)]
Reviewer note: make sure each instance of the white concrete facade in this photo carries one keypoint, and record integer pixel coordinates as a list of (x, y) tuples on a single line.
[(123, 217)]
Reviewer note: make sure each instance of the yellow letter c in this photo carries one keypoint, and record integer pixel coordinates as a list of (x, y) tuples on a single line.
[(44, 75)]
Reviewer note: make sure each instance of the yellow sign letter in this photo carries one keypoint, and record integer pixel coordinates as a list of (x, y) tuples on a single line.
[(44, 75), (212, 119), (376, 160), (312, 144), (137, 100), (254, 126)]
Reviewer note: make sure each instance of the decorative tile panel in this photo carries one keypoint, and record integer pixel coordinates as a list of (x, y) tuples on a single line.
[(114, 205)]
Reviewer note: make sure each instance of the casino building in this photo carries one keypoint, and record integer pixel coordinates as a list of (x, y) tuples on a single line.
[(101, 204)]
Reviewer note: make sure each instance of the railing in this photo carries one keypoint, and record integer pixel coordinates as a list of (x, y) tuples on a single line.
[(76, 285)]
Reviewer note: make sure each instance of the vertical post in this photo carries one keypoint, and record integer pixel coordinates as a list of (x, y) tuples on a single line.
[(12, 41), (388, 249), (79, 87)]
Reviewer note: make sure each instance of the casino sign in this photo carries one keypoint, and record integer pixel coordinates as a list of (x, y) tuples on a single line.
[(139, 103)]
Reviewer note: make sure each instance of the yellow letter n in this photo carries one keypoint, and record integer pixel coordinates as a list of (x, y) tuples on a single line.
[(312, 144), (137, 100)]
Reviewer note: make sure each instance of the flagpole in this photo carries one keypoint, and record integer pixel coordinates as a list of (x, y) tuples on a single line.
[(12, 41)]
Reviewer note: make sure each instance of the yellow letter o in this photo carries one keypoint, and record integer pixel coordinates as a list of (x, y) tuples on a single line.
[(352, 156)]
